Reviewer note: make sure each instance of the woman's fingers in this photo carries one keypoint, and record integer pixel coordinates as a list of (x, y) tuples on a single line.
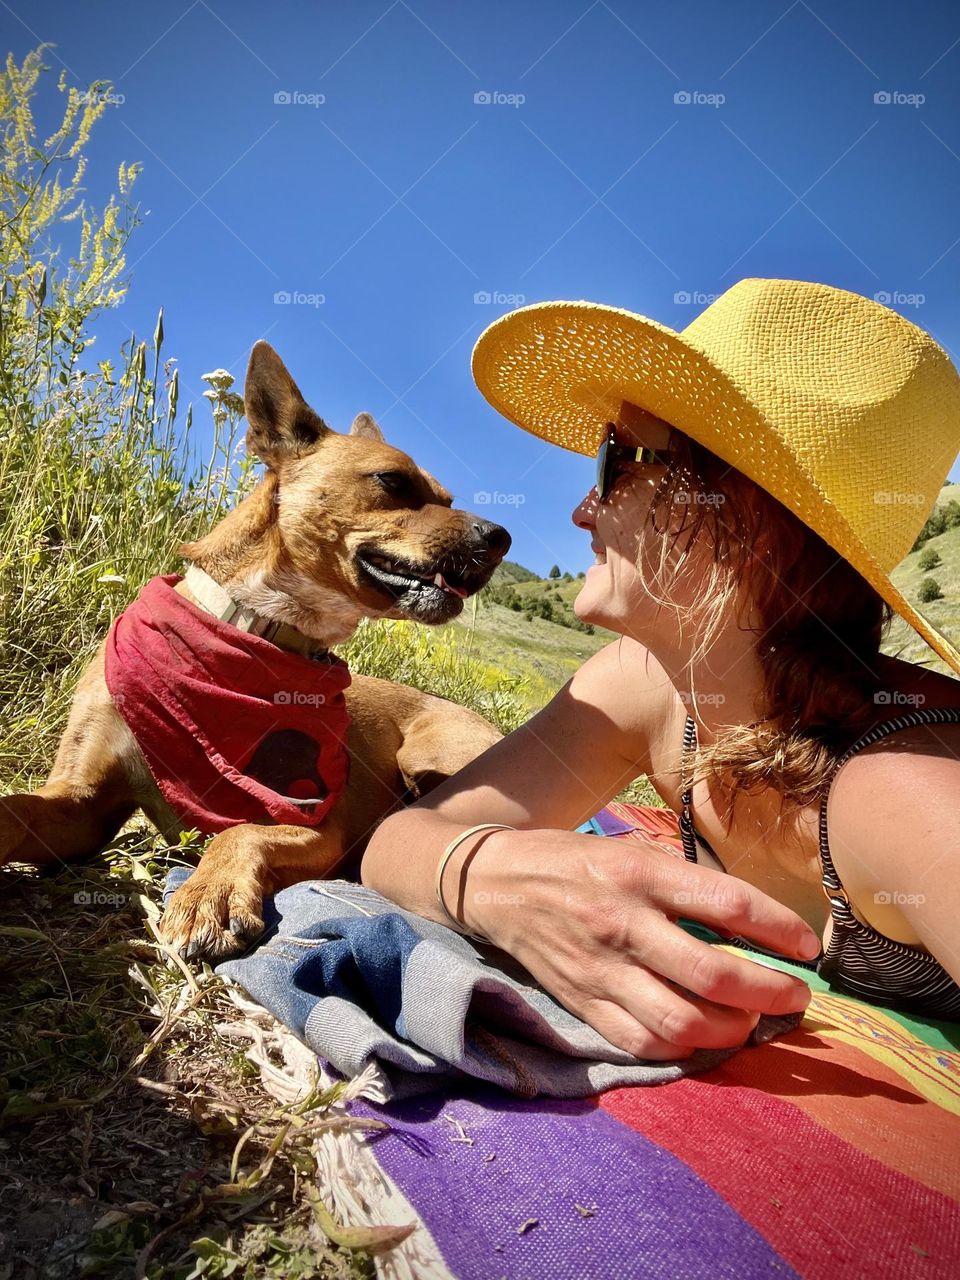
[(649, 1018), (629, 1034), (677, 1017), (717, 899), (718, 976)]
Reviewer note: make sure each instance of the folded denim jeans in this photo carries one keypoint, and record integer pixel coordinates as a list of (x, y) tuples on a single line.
[(359, 980)]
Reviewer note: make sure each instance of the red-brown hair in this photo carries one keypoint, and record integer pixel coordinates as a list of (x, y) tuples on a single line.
[(820, 629)]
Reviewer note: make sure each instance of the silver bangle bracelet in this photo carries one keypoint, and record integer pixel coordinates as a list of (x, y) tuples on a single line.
[(448, 853)]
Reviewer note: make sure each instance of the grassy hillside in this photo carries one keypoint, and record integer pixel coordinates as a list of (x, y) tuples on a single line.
[(531, 656), (902, 640)]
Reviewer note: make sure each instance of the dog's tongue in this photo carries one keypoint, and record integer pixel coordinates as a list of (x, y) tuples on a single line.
[(440, 581)]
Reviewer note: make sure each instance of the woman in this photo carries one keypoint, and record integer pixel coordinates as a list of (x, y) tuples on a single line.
[(759, 475)]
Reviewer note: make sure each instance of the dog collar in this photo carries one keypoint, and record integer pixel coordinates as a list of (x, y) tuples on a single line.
[(216, 600)]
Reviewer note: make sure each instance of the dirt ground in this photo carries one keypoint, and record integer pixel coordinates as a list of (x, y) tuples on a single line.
[(121, 1105)]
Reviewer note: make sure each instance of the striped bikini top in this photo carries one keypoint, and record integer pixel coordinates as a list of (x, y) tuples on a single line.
[(858, 960)]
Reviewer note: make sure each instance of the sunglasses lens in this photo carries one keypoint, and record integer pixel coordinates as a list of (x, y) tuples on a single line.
[(605, 459)]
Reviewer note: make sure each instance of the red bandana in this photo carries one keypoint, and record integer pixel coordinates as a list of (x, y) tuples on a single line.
[(233, 728)]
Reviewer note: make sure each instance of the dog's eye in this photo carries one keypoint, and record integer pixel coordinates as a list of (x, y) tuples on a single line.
[(396, 483)]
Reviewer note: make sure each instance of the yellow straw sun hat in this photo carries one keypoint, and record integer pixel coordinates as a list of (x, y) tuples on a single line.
[(836, 405)]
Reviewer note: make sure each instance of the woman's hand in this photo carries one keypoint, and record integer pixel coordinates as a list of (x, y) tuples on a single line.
[(594, 921)]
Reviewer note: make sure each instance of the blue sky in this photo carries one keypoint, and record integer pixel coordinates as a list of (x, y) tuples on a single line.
[(377, 183)]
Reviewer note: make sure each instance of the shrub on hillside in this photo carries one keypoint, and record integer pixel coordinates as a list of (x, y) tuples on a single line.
[(929, 590), (939, 521)]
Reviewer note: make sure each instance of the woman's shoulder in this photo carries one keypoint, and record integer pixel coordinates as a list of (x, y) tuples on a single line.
[(626, 684), (905, 686), (899, 750), (892, 807)]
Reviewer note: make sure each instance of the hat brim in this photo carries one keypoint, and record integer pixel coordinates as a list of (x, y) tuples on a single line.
[(561, 370)]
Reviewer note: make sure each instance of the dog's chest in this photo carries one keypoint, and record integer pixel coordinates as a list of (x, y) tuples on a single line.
[(232, 728)]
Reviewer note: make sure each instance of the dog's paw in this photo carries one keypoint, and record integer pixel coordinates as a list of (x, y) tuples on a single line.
[(210, 917)]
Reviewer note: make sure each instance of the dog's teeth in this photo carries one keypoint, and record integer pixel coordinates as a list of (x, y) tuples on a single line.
[(438, 581)]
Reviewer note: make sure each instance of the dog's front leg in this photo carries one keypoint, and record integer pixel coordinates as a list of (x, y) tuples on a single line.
[(219, 910)]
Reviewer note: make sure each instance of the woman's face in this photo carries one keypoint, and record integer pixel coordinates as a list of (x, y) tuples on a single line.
[(612, 595)]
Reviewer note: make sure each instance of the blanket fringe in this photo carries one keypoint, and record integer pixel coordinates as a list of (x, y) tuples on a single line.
[(356, 1190)]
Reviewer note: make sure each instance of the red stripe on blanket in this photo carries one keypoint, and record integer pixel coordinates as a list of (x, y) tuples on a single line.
[(830, 1210), (890, 1121)]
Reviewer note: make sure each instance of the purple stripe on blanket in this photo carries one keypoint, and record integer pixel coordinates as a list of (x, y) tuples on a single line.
[(646, 1213), (606, 823)]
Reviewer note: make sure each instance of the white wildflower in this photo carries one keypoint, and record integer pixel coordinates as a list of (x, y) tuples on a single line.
[(220, 378)]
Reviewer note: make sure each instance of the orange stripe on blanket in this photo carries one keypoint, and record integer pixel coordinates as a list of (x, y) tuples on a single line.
[(658, 824), (830, 1210), (859, 1099), (934, 1073)]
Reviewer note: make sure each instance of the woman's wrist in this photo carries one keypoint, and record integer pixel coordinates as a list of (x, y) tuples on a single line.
[(486, 890), (480, 830)]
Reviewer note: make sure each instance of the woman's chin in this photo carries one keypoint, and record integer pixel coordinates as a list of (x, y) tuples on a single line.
[(592, 603)]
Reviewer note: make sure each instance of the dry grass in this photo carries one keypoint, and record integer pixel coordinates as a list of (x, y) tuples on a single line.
[(123, 1103)]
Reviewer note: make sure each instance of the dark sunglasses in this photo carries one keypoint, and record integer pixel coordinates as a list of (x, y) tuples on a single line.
[(611, 456)]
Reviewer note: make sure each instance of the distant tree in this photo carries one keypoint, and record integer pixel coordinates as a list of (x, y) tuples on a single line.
[(554, 572), (929, 590), (568, 577), (582, 574), (929, 559)]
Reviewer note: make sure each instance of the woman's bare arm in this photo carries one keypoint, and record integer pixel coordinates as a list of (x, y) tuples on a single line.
[(557, 770), (594, 921)]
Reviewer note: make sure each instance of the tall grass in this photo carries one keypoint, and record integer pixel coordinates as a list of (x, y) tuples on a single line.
[(100, 473), (406, 653)]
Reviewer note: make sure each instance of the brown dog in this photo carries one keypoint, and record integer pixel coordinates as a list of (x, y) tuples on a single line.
[(342, 527)]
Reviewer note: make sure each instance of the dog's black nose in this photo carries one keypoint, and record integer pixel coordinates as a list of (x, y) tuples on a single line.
[(493, 537)]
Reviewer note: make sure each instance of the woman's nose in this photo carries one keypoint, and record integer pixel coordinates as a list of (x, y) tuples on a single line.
[(585, 513)]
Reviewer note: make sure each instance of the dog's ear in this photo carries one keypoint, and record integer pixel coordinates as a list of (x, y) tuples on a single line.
[(363, 425), (280, 423)]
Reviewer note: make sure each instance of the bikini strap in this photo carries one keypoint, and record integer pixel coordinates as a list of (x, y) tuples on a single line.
[(832, 886), (687, 835)]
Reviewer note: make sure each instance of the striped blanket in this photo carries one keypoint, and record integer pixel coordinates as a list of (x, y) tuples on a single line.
[(830, 1153)]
